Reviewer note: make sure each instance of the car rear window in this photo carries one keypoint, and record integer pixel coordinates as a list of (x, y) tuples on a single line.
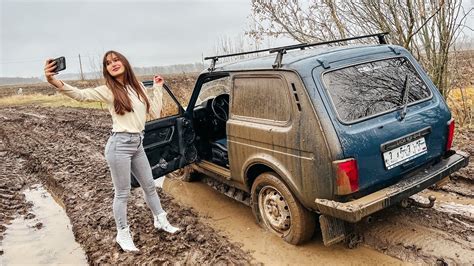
[(368, 89)]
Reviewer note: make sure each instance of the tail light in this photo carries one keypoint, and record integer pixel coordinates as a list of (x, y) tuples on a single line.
[(347, 176), (449, 143)]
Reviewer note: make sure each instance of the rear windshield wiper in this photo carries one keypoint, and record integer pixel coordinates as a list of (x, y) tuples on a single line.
[(406, 89)]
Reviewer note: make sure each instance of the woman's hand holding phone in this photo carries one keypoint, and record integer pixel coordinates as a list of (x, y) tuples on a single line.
[(49, 72), (158, 80)]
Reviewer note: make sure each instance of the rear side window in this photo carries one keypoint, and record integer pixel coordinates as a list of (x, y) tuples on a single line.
[(261, 97), (373, 88)]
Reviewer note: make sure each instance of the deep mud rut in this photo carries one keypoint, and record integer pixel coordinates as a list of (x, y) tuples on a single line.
[(62, 148)]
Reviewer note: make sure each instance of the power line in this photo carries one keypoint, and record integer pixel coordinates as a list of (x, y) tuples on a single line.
[(25, 61), (36, 60)]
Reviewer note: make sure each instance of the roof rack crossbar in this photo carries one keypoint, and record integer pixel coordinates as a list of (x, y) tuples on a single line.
[(380, 38), (252, 52), (283, 49)]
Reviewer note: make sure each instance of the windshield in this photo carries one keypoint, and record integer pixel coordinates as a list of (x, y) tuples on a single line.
[(372, 88), (214, 88)]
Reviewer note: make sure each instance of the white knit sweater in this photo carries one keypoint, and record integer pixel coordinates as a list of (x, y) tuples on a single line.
[(132, 122)]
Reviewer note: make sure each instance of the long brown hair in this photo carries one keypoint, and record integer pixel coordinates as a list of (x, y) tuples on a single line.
[(122, 102)]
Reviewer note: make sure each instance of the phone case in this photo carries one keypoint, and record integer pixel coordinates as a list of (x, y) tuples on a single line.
[(60, 63)]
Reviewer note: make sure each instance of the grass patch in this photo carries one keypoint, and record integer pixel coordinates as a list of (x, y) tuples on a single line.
[(461, 103), (56, 100)]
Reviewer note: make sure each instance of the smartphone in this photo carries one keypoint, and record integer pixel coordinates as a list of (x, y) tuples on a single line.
[(60, 63)]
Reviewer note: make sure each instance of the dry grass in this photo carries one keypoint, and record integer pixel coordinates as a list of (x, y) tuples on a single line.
[(55, 100), (44, 94), (461, 103)]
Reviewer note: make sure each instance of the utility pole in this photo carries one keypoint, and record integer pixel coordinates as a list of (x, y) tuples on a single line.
[(80, 64)]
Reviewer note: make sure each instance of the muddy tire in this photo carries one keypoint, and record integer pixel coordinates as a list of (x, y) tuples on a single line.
[(279, 211), (186, 174), (133, 181)]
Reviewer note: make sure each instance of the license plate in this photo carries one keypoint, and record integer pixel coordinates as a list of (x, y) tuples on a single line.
[(405, 153)]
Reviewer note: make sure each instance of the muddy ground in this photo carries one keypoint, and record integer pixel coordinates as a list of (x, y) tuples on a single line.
[(64, 153), (63, 149)]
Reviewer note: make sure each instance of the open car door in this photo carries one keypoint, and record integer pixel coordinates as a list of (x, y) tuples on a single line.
[(169, 140)]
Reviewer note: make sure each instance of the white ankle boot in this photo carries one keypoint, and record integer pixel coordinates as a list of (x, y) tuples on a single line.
[(124, 239), (161, 222)]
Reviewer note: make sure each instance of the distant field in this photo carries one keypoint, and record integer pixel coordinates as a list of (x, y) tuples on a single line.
[(45, 94), (178, 82), (54, 100)]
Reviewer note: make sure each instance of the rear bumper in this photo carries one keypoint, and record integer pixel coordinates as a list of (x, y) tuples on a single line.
[(355, 210)]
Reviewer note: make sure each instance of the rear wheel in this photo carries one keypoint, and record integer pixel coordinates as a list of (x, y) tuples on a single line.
[(279, 211)]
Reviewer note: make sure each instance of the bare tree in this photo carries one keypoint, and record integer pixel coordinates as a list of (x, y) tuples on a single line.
[(95, 66), (237, 44), (428, 28)]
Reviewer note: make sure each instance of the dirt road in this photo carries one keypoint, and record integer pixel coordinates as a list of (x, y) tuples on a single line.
[(62, 148)]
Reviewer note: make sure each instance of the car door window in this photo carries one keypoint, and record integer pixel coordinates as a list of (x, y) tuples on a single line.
[(161, 104)]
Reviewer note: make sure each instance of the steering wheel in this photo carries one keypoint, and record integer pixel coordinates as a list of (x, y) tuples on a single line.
[(220, 107)]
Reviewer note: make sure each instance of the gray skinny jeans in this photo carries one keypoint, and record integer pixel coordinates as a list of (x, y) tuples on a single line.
[(125, 155)]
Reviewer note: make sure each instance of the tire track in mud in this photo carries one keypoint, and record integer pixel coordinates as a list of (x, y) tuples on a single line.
[(12, 181), (12, 201), (422, 235), (63, 148), (460, 185)]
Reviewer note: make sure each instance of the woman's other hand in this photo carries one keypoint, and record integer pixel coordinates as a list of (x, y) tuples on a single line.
[(49, 73), (158, 80)]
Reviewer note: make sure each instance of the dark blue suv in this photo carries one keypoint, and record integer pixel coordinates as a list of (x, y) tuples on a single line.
[(335, 133)]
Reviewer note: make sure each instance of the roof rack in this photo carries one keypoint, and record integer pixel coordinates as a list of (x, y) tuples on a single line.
[(283, 49)]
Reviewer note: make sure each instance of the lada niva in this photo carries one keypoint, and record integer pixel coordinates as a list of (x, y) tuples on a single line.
[(307, 131)]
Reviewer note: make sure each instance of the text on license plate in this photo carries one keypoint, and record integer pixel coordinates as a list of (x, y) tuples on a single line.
[(404, 153)]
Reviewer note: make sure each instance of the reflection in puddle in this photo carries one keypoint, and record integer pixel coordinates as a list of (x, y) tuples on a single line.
[(45, 239)]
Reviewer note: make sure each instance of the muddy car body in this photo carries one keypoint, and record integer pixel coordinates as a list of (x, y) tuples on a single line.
[(341, 132)]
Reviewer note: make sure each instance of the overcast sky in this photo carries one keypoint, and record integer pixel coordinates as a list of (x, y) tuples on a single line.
[(148, 33)]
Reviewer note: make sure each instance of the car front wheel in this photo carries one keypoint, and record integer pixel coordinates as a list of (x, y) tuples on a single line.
[(276, 209), (186, 174)]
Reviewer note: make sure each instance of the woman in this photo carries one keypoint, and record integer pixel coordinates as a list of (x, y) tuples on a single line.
[(128, 104)]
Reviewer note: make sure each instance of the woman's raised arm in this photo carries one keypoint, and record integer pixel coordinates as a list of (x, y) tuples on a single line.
[(155, 97), (98, 94)]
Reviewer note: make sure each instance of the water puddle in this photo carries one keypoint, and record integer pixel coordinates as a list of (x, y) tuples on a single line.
[(45, 239), (236, 221)]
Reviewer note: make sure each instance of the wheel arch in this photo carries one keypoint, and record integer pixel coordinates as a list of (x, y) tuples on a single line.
[(256, 167)]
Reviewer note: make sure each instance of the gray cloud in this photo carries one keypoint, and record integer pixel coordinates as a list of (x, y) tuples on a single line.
[(147, 32)]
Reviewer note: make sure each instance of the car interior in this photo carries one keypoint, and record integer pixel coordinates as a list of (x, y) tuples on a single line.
[(210, 115)]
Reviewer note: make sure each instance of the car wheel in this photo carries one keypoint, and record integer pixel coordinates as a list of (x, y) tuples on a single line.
[(186, 174), (133, 181), (276, 209)]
